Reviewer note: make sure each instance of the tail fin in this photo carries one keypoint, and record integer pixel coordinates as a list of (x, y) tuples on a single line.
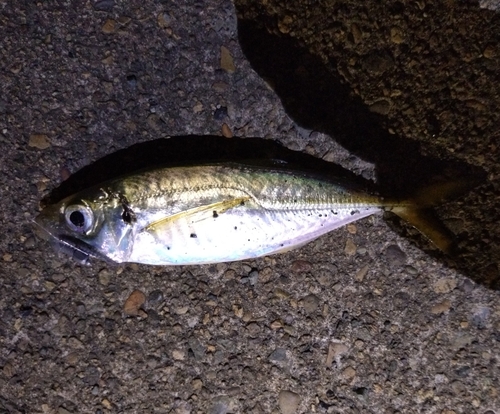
[(439, 193), (418, 211), (426, 222)]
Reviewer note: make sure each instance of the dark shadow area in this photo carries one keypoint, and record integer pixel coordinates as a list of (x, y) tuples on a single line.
[(317, 100), (314, 96), (186, 150)]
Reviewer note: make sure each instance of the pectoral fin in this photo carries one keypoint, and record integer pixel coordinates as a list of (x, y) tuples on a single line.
[(197, 214)]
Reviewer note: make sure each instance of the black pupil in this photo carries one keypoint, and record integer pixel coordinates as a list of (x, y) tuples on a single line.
[(77, 218)]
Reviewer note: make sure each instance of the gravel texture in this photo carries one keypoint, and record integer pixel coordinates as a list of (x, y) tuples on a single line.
[(364, 320)]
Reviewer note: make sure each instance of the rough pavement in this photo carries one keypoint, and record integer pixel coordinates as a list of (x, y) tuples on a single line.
[(364, 320)]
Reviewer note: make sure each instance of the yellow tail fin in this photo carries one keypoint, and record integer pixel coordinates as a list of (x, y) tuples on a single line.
[(426, 222), (418, 211), (439, 193)]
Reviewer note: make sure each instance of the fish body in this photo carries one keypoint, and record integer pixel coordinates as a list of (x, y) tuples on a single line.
[(214, 213)]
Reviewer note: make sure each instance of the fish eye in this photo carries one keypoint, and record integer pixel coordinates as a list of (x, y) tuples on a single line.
[(79, 218)]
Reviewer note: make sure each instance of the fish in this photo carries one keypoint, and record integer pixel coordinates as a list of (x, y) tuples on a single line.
[(219, 212)]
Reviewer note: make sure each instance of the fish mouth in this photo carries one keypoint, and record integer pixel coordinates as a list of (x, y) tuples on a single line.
[(75, 248), (71, 246)]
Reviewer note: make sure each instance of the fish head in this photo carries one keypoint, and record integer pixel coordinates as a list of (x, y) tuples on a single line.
[(89, 224)]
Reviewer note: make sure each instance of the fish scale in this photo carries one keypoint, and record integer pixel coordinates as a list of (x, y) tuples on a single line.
[(273, 189)]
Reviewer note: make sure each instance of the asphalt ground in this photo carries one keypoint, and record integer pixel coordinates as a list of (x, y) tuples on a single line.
[(368, 319)]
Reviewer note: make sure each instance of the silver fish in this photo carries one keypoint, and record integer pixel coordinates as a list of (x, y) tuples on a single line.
[(212, 213)]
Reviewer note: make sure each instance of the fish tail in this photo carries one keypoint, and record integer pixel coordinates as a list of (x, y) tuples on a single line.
[(418, 212), (436, 194), (429, 225)]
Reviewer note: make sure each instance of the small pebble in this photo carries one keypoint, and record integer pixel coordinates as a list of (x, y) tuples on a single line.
[(197, 348), (39, 141), (481, 316), (278, 355), (284, 24), (301, 266), (181, 310), (104, 5), (238, 311), (360, 275), (30, 243), (230, 274), (265, 275), (444, 285), (397, 35), (155, 297), (108, 60), (441, 307), (124, 20), (64, 173), (382, 107), (349, 373), (198, 107), (288, 401), (350, 248), (356, 32), (106, 403), (178, 355), (467, 286), (411, 270), (109, 26), (462, 341), (104, 277), (310, 303), (226, 60), (134, 303), (75, 343), (334, 351), (276, 324), (8, 370), (163, 20), (71, 358), (281, 294), (395, 256), (49, 285), (253, 329), (197, 384), (489, 52), (220, 87), (226, 131), (222, 405), (253, 277), (220, 113), (58, 277)]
